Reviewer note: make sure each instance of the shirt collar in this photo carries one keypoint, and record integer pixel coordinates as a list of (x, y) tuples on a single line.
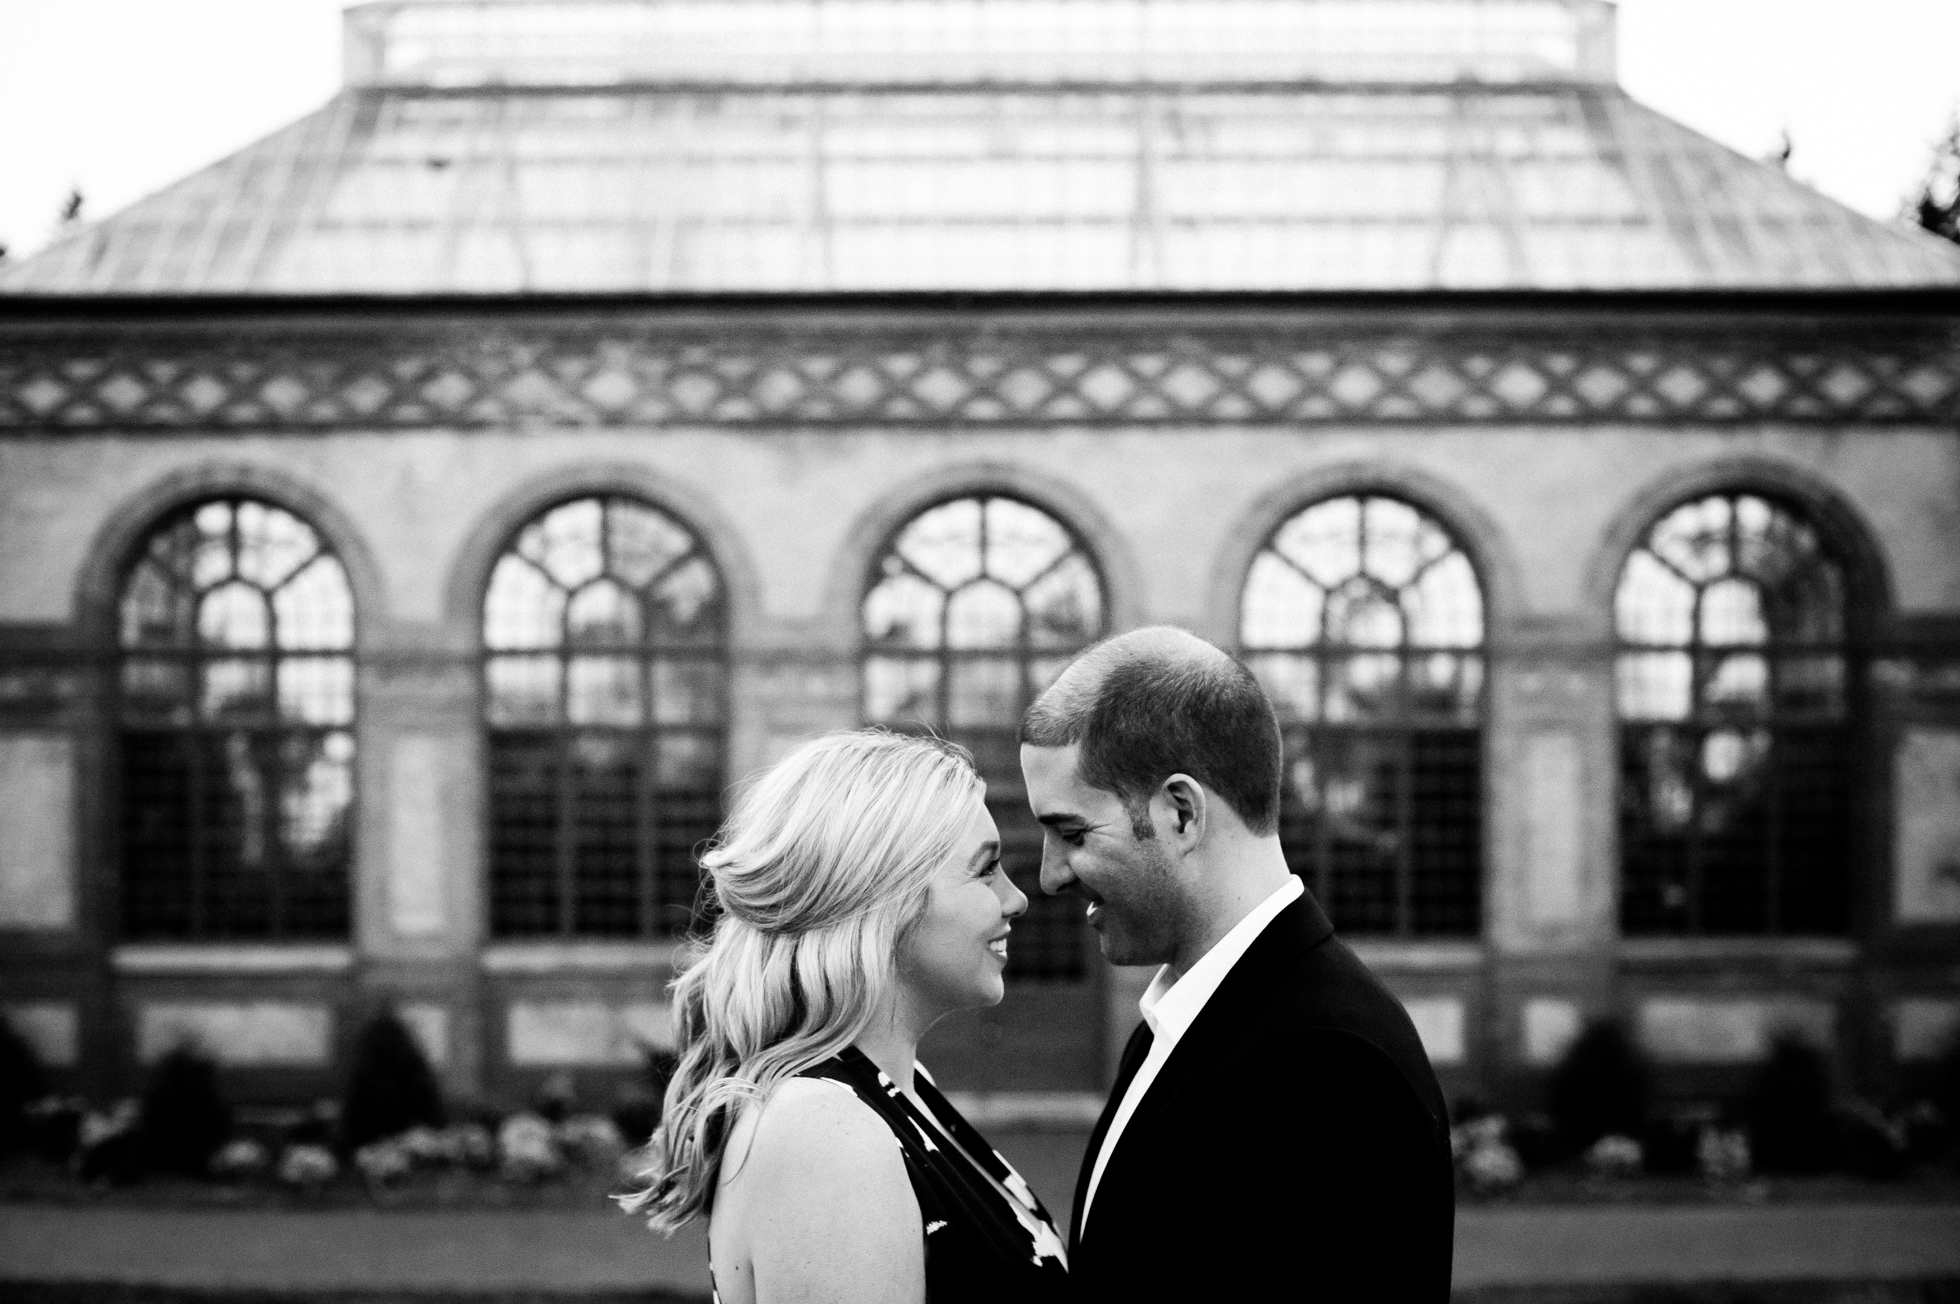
[(1171, 1005)]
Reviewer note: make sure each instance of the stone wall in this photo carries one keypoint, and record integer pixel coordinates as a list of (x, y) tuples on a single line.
[(794, 513)]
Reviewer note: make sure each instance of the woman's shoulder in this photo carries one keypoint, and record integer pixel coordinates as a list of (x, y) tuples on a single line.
[(821, 1195), (817, 1129), (821, 1106)]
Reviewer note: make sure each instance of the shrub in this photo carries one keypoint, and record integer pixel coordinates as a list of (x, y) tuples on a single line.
[(526, 1150), (1787, 1109), (54, 1125), (316, 1127), (1722, 1155), (1870, 1144), (308, 1167), (1492, 1165), (111, 1146), (390, 1087), (1671, 1143), (383, 1163), (557, 1098), (1615, 1156), (184, 1116), (1600, 1088), (21, 1082), (240, 1160), (1945, 1084), (1536, 1139), (476, 1145), (1927, 1131), (593, 1140)]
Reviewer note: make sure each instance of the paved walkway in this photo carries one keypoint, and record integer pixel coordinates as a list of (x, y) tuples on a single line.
[(349, 1250), (1553, 1246), (558, 1251)]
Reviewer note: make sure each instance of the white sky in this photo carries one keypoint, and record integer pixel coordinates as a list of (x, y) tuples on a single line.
[(121, 97)]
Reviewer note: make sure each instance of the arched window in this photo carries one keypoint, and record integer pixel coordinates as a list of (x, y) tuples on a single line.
[(1363, 619), (235, 738), (604, 688), (974, 608), (1736, 770)]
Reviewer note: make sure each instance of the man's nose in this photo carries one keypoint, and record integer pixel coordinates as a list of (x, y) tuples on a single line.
[(1055, 875)]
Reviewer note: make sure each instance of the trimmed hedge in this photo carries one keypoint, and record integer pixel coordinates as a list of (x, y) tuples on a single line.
[(390, 1086)]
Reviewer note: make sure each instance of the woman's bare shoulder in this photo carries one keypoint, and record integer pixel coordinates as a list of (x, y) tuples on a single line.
[(817, 1121), (821, 1199)]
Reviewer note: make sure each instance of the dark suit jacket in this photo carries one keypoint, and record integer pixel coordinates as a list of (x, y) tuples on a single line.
[(1295, 1145)]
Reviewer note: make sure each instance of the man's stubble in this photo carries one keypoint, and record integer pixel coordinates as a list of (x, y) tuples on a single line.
[(1145, 921)]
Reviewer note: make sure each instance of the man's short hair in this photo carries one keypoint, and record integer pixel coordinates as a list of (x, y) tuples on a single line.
[(1158, 702)]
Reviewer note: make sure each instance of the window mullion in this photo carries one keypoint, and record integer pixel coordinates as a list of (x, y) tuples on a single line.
[(1404, 735), (274, 772), (197, 748), (1773, 834), (1697, 803), (1317, 741), (565, 844), (647, 854)]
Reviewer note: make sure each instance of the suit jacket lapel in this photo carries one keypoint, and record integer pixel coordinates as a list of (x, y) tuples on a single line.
[(1231, 1009), (1134, 1053)]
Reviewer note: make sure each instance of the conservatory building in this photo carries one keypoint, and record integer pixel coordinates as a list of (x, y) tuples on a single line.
[(412, 525)]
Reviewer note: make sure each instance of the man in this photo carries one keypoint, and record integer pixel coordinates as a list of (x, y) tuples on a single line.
[(1275, 1130)]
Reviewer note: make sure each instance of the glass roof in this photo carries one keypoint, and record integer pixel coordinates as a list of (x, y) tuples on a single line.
[(398, 186), (833, 42)]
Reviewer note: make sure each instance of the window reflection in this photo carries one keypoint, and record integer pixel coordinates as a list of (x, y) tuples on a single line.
[(605, 698), (236, 697), (1736, 741), (1363, 620)]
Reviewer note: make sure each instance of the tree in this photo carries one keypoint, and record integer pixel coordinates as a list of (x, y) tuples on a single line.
[(1938, 206)]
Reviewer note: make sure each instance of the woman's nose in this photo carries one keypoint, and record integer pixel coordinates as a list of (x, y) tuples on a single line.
[(1015, 903)]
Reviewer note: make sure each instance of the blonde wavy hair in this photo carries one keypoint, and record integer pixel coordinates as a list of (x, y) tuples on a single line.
[(820, 870)]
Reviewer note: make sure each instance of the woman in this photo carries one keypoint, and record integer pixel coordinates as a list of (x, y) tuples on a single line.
[(861, 899)]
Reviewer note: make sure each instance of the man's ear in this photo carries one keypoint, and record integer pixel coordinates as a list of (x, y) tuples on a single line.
[(1184, 801)]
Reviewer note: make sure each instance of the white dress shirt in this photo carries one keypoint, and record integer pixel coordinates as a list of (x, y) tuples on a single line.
[(1172, 1006)]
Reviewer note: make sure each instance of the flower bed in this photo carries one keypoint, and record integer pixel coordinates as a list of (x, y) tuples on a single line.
[(391, 1140), (524, 1159), (1789, 1134)]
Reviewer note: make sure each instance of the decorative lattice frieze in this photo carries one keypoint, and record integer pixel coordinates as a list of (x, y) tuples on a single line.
[(539, 375)]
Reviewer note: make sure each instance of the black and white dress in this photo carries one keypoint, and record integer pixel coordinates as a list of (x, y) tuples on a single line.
[(980, 1245)]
